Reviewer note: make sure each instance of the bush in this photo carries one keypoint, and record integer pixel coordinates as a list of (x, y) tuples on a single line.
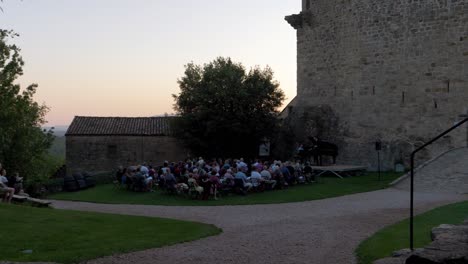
[(103, 177), (54, 185), (38, 176)]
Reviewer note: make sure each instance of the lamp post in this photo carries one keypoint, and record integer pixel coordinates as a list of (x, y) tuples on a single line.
[(378, 148)]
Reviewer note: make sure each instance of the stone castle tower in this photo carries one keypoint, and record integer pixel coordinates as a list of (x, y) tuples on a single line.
[(370, 70)]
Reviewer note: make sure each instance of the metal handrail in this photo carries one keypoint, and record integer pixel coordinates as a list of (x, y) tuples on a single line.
[(412, 175)]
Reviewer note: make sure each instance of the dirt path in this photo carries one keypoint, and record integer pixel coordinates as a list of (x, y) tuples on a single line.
[(324, 231)]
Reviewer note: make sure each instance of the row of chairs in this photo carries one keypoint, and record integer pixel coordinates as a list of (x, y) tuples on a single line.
[(210, 189), (235, 186)]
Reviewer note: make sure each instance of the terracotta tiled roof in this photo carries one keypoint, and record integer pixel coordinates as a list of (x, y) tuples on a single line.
[(120, 126)]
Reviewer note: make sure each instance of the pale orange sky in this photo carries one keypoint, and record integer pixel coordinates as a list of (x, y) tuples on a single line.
[(123, 58)]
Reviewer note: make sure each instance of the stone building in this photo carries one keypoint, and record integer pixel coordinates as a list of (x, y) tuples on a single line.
[(101, 144), (389, 71)]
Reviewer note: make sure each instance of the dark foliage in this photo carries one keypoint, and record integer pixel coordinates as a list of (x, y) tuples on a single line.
[(226, 111), (23, 144)]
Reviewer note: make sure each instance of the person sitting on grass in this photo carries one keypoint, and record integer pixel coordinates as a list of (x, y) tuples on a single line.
[(8, 192)]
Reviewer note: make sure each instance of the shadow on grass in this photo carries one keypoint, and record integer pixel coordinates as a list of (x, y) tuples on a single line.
[(70, 237)]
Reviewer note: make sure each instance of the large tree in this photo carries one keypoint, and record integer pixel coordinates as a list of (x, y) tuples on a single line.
[(23, 143), (226, 111)]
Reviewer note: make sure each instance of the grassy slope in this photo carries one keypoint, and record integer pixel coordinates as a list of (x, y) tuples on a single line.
[(332, 187), (396, 236), (69, 237)]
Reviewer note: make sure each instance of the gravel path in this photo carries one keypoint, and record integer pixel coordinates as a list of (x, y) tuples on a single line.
[(323, 231)]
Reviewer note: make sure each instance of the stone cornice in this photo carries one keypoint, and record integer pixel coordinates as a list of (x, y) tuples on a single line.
[(298, 21)]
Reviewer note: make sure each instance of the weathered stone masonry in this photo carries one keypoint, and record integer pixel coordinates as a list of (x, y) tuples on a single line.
[(106, 153), (101, 144), (395, 71)]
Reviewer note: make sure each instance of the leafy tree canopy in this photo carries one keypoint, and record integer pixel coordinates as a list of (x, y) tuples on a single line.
[(226, 111), (22, 141)]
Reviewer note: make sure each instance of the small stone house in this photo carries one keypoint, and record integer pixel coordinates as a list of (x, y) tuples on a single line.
[(101, 144)]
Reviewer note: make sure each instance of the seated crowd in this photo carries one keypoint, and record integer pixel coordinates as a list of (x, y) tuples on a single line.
[(9, 185), (204, 179)]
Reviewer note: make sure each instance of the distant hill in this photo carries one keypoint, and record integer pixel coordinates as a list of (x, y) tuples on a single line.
[(59, 131), (58, 146)]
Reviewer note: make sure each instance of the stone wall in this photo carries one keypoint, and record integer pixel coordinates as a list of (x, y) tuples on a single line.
[(395, 71), (449, 245), (106, 153)]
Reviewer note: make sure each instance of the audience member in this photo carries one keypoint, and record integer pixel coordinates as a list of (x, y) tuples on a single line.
[(207, 177), (8, 192), (16, 182), (266, 175), (256, 177), (241, 175), (193, 185), (119, 174)]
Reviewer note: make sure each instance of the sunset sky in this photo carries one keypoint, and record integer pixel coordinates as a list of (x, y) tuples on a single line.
[(123, 57)]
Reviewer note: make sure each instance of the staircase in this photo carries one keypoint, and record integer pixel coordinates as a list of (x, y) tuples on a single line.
[(447, 173)]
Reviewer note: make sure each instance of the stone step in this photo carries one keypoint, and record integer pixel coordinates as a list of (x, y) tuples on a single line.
[(19, 198), (447, 173), (34, 201)]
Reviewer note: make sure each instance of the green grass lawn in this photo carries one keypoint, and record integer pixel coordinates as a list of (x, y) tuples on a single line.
[(332, 187), (70, 237), (396, 236)]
